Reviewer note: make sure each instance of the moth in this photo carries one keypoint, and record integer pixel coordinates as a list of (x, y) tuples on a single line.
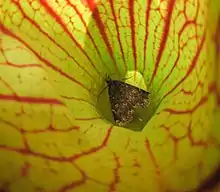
[(124, 99)]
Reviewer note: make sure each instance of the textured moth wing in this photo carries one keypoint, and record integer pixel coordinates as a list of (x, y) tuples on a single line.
[(124, 98), (122, 111), (136, 96)]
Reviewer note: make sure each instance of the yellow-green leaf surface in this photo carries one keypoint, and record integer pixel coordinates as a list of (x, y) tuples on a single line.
[(54, 56)]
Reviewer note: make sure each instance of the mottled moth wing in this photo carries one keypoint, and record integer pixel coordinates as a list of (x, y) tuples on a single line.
[(124, 98), (136, 96), (122, 111)]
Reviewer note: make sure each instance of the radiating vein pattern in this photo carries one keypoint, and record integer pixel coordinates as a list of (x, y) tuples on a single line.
[(52, 57)]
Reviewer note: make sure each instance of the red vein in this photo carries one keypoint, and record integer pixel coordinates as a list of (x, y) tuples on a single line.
[(60, 159), (201, 102), (146, 32), (90, 3), (101, 28), (21, 65), (132, 23), (47, 63), (116, 174), (46, 34), (49, 129), (27, 99), (149, 150), (87, 119), (59, 20), (25, 169), (77, 99), (118, 34), (164, 38), (192, 66), (88, 32)]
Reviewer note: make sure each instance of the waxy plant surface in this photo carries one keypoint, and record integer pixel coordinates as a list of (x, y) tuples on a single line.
[(53, 57)]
